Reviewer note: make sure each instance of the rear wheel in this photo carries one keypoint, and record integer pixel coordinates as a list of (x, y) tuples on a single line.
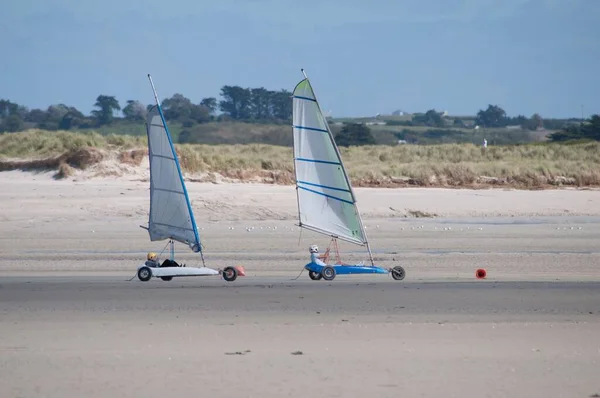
[(166, 278), (144, 274), (328, 273), (315, 276), (229, 274)]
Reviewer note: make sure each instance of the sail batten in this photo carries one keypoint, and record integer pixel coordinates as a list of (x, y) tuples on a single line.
[(170, 191), (312, 129), (171, 215), (164, 157), (305, 98), (323, 186), (319, 161), (326, 202), (326, 195)]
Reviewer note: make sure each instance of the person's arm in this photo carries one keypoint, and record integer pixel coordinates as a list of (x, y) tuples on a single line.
[(325, 255)]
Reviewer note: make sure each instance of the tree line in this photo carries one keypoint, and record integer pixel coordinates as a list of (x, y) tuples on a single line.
[(236, 104), (491, 117), (260, 105), (587, 130), (570, 129)]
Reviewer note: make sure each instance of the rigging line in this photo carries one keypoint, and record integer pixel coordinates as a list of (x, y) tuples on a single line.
[(299, 239), (301, 271), (300, 236), (202, 257), (129, 280), (165, 248)]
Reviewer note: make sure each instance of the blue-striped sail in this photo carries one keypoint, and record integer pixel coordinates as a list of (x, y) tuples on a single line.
[(326, 202), (171, 215)]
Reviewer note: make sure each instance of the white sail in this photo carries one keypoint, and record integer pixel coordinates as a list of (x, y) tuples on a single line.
[(326, 202), (171, 215)]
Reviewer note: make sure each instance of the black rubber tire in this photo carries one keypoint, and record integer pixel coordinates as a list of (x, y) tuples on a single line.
[(144, 274), (166, 278), (328, 273), (315, 276), (398, 273), (230, 274)]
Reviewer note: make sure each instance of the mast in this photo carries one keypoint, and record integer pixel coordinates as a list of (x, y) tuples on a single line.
[(295, 167), (154, 92)]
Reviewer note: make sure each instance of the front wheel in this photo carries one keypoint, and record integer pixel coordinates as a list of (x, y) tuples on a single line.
[(166, 278), (315, 276), (229, 274), (328, 273), (144, 274), (398, 273)]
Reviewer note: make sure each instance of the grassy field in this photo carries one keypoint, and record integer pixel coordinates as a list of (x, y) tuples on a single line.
[(236, 132), (464, 165)]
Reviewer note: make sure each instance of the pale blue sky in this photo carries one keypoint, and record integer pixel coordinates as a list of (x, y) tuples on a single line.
[(363, 56)]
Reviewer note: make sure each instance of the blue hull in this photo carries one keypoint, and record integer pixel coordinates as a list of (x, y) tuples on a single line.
[(348, 269)]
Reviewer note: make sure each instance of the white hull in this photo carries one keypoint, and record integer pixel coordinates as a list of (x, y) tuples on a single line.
[(145, 273), (181, 271)]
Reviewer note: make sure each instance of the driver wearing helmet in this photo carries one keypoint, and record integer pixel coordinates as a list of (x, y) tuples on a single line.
[(152, 260), (314, 255)]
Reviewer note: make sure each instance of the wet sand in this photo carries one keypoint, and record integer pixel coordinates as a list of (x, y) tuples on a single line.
[(100, 337)]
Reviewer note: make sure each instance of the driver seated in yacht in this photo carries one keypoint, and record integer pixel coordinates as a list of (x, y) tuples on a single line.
[(152, 260), (315, 257)]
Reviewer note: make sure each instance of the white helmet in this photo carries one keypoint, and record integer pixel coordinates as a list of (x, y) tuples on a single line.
[(314, 249)]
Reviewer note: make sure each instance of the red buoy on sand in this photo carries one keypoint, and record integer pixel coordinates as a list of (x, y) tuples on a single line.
[(480, 273)]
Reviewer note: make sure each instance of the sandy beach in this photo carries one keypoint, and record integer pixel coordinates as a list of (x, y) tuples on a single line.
[(93, 225), (72, 324)]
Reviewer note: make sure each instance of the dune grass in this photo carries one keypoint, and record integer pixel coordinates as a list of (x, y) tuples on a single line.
[(432, 165), (529, 166), (36, 144)]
